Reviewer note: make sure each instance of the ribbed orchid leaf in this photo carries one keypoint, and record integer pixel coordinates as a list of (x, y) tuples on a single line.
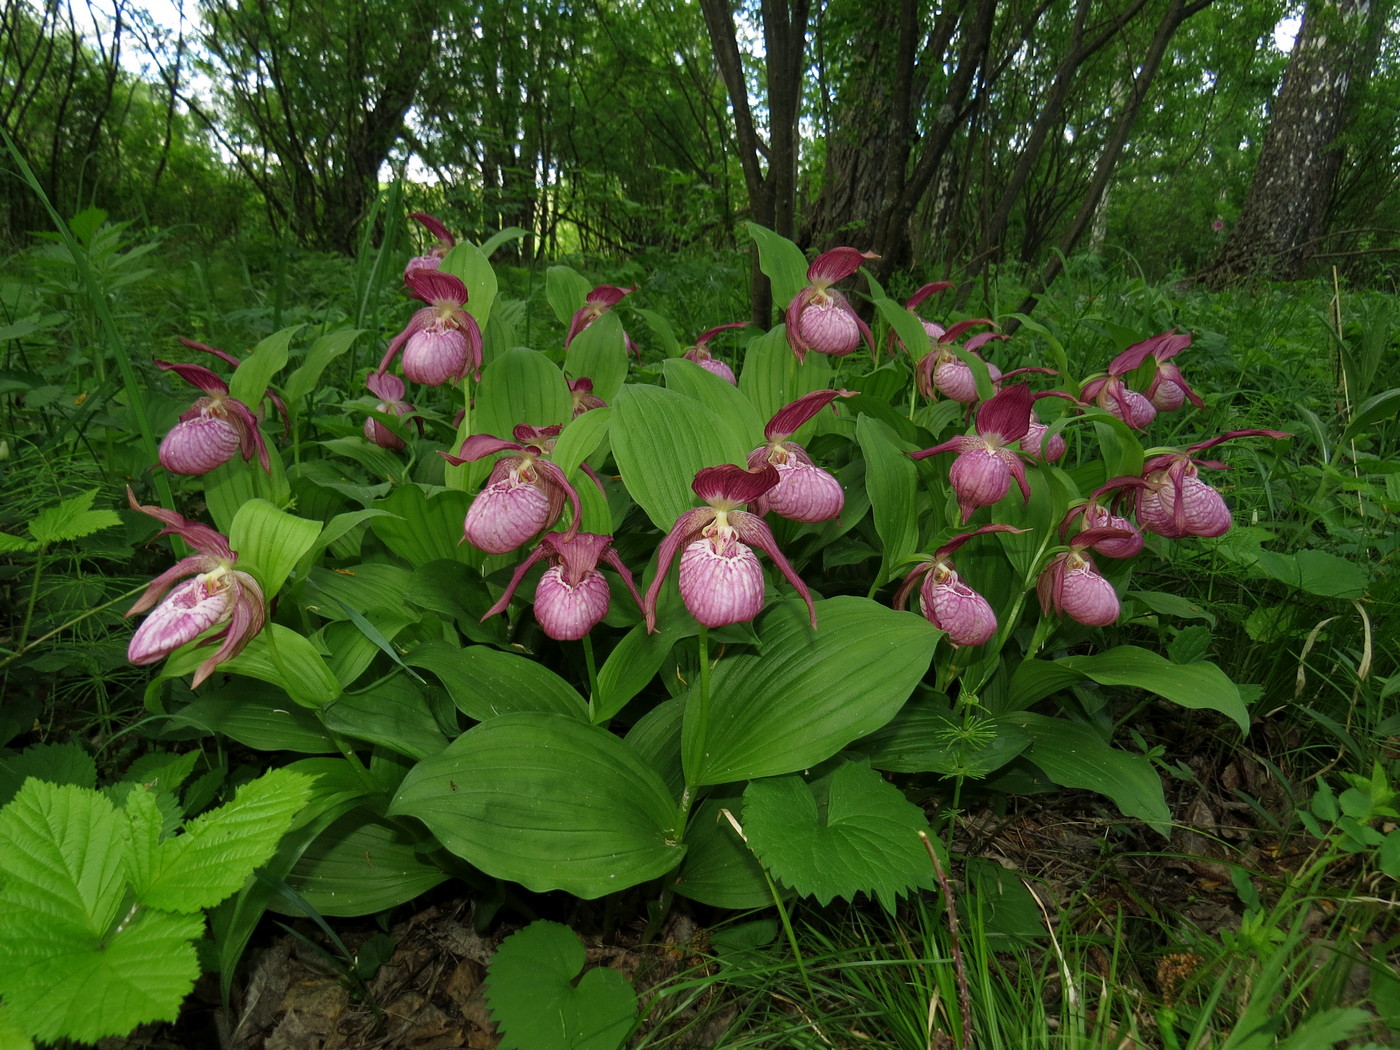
[(771, 376), (600, 353), (565, 290), (485, 682), (660, 440), (228, 487), (421, 528), (581, 438), (688, 378), (548, 801), (891, 479), (719, 868), (280, 656), (520, 386), (323, 351), (269, 542), (360, 867), (809, 693), (254, 373), (782, 261)]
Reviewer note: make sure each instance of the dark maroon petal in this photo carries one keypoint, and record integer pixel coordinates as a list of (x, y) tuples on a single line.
[(1092, 537), (250, 437), (188, 566), (980, 340), (196, 375), (1169, 344), (709, 334), (792, 322), (907, 585), (952, 545), (932, 288), (608, 294), (836, 265), (953, 332), (961, 443), (478, 446), (610, 556), (733, 485), (1132, 358), (790, 417), (686, 528), (542, 438), (1231, 435), (754, 531), (249, 615), (1007, 415), (434, 227), (222, 355), (432, 286)]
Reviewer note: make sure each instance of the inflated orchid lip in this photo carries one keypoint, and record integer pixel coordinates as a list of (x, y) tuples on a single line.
[(836, 330), (730, 531), (510, 510), (205, 435), (986, 463), (444, 315), (576, 559)]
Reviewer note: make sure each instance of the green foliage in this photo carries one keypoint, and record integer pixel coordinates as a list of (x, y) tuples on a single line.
[(101, 908)]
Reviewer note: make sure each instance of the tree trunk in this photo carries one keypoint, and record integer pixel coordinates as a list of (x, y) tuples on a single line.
[(1289, 195)]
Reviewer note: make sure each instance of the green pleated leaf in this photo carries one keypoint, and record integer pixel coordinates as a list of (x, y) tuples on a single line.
[(661, 440), (548, 801), (600, 353), (270, 541), (323, 351), (456, 591), (782, 261), (892, 481), (467, 262), (485, 682), (926, 737), (256, 715), (580, 438), (216, 852), (908, 328), (540, 1000), (425, 528), (392, 713), (771, 376), (1316, 572), (229, 487), (634, 663), (283, 657), (661, 328), (254, 373), (865, 839), (359, 867), (688, 378), (809, 693), (719, 868), (1075, 756), (520, 386), (565, 289), (1200, 686)]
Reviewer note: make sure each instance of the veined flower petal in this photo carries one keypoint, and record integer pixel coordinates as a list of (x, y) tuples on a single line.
[(504, 515), (189, 610), (568, 611), (721, 582), (197, 446)]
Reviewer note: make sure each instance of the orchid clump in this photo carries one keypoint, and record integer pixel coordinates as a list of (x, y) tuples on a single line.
[(820, 319), (215, 428), (524, 494), (804, 491), (215, 595), (721, 581), (572, 595), (1174, 502), (442, 341)]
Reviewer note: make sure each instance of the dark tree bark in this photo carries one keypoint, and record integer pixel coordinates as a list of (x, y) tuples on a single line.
[(1291, 190)]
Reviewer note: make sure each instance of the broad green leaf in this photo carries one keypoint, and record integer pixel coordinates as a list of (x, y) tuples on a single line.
[(926, 737), (392, 713), (688, 378), (661, 440), (1165, 604), (1200, 686), (283, 657), (1316, 572), (323, 351), (500, 237), (71, 520), (520, 386), (425, 528), (634, 663), (809, 693), (467, 262), (600, 353), (485, 682), (379, 463), (540, 1000), (580, 438), (548, 801), (360, 867), (254, 373), (891, 479), (1075, 756), (719, 868), (11, 544), (908, 328), (865, 841), (1378, 409), (216, 852), (565, 289), (257, 716), (772, 378), (656, 739), (782, 261), (661, 328), (227, 488), (270, 541)]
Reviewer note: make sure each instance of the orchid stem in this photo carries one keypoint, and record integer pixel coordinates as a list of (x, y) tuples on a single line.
[(693, 747), (592, 674)]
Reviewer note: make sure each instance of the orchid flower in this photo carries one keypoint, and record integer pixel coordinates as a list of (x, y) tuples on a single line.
[(1174, 502), (721, 581), (819, 318), (1168, 391), (215, 427), (390, 391), (216, 595), (1112, 393), (581, 391), (572, 595), (948, 603), (940, 371), (981, 475), (442, 341), (1092, 514), (595, 304), (700, 353), (445, 242), (1070, 585), (804, 492), (1036, 444), (524, 494)]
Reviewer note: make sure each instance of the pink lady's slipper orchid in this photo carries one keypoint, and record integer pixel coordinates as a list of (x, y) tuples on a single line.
[(445, 243), (700, 353), (215, 427), (1174, 502), (948, 603), (595, 304), (1036, 444), (819, 318), (981, 475), (1071, 586), (581, 391), (442, 341), (1168, 391), (804, 492), (217, 595), (572, 595), (524, 494), (1093, 515), (390, 391), (940, 371), (720, 579), (1112, 393)]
